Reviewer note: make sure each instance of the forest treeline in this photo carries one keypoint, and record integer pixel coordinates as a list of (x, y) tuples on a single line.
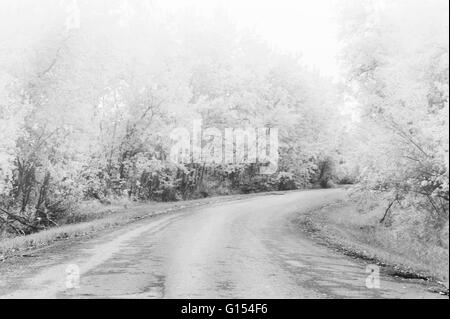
[(87, 107)]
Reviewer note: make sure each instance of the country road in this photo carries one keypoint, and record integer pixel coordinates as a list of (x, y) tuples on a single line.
[(247, 248)]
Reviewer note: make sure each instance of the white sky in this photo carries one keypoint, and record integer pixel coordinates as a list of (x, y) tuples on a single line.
[(299, 26)]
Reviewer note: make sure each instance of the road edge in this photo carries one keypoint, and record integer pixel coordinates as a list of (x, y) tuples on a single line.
[(313, 231)]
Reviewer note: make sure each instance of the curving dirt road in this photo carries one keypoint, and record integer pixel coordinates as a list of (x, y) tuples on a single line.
[(243, 249)]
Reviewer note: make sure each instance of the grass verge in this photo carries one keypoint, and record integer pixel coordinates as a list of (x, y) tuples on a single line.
[(342, 227)]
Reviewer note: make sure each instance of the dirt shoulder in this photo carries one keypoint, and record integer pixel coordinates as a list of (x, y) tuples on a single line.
[(341, 227)]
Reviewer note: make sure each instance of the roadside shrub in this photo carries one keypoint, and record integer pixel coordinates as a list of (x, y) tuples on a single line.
[(286, 181)]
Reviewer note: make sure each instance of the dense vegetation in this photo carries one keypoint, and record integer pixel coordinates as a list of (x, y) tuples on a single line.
[(397, 70)]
